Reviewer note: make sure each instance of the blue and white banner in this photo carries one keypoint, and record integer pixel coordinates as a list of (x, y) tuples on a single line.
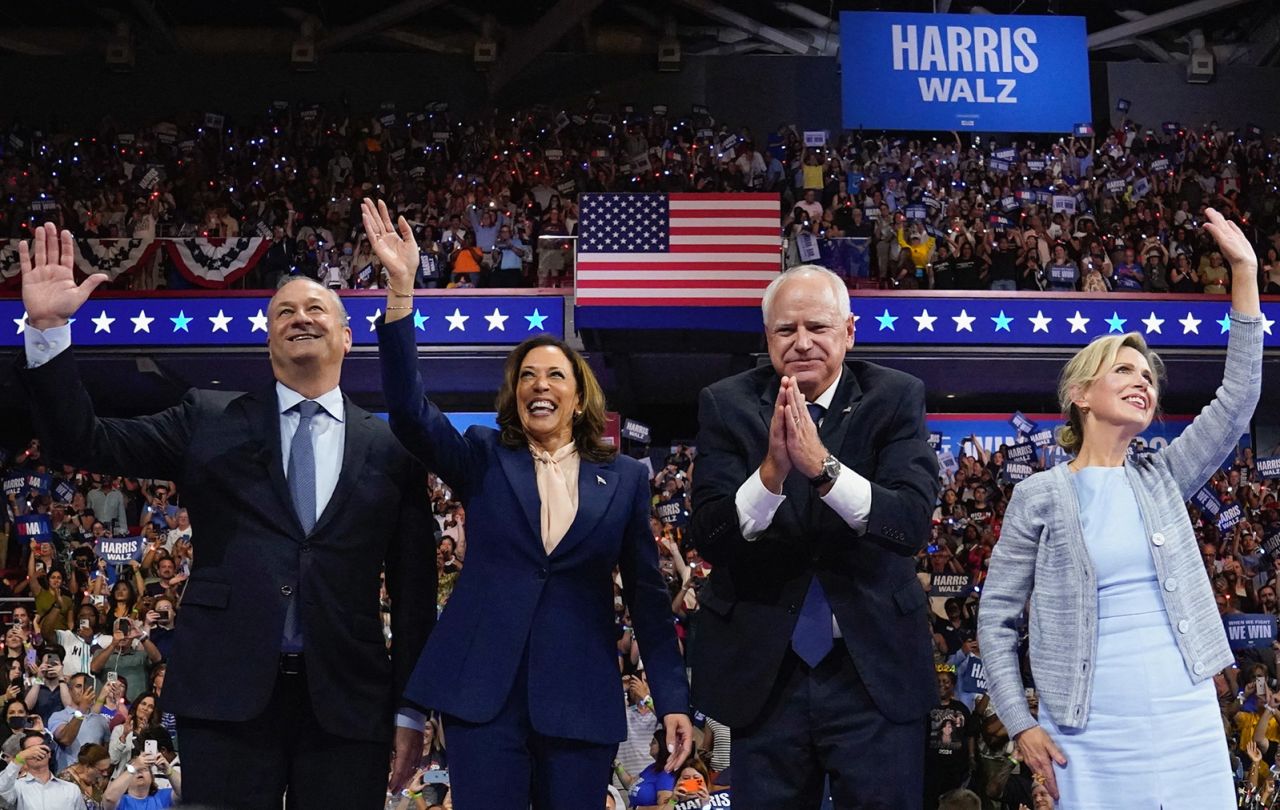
[(992, 73), (34, 527), (993, 430), (1269, 467), (1065, 320), (39, 483), (1207, 501), (64, 492), (1019, 462), (635, 431), (120, 550), (207, 320), (971, 676), (1022, 424), (1250, 630), (1230, 516), (950, 585), (14, 484)]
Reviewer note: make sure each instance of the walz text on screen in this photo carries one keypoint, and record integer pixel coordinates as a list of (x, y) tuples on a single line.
[(994, 73)]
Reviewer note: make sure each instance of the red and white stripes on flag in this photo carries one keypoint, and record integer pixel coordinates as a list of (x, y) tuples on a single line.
[(663, 249)]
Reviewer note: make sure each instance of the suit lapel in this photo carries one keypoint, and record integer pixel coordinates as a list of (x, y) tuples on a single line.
[(357, 438), (835, 424), (263, 412), (518, 467), (597, 484), (768, 398)]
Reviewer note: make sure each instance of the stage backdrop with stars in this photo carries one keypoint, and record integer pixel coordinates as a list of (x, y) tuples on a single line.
[(955, 319), (200, 321)]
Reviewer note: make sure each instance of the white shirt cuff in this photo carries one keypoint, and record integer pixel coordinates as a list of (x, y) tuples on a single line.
[(756, 506), (410, 718), (43, 346), (850, 497)]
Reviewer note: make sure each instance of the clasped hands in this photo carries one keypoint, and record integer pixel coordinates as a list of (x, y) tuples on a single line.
[(793, 440)]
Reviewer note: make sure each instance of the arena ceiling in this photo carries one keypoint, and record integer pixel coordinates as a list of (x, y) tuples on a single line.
[(1150, 30)]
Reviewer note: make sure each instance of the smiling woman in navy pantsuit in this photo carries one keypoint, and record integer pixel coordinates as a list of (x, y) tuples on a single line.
[(523, 664)]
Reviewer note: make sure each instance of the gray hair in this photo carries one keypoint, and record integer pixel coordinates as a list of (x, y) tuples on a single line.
[(838, 287), (337, 299)]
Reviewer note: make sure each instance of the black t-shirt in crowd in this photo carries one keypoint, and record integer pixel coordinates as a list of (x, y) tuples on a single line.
[(950, 726), (966, 271), (944, 275), (1004, 265)]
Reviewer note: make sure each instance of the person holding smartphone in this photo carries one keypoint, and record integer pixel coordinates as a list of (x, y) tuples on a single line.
[(82, 721), (28, 783), (128, 655), (49, 693), (136, 788)]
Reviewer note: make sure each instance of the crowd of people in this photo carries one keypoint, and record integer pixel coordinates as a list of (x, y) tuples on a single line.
[(494, 202), (968, 743), (87, 640)]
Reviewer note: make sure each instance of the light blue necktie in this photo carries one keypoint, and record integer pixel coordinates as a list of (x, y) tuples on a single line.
[(812, 638), (302, 486)]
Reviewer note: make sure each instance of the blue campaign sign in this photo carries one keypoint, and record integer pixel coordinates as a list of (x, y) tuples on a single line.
[(996, 73), (203, 320), (1207, 501), (1269, 467), (64, 492), (34, 527), (120, 550), (972, 676), (1250, 630)]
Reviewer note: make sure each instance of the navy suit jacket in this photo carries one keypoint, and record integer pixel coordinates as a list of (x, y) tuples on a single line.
[(253, 557), (751, 602), (514, 600)]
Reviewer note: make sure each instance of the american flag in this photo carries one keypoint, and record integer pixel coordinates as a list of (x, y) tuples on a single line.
[(659, 249)]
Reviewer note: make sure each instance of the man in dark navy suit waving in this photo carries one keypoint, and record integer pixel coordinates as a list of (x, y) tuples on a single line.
[(302, 498), (812, 494)]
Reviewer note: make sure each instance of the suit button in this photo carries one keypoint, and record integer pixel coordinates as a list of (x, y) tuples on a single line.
[(286, 590), (306, 546), (1171, 584), (1157, 539), (791, 609), (1184, 626), (542, 573)]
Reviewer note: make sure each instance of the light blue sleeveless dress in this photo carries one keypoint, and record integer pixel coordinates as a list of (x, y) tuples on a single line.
[(1154, 740)]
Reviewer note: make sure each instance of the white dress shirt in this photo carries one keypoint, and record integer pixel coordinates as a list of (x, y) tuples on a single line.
[(849, 496), (29, 793), (328, 432)]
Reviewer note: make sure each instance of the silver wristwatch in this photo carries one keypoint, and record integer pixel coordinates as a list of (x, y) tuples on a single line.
[(830, 471)]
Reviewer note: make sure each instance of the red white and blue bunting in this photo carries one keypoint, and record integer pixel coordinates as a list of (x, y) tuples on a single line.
[(216, 262), (113, 257), (9, 267)]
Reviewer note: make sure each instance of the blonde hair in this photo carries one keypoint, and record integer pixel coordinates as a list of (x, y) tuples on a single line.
[(1089, 365)]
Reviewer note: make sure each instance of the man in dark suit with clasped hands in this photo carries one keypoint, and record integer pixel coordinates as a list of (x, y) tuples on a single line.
[(812, 494), (279, 675)]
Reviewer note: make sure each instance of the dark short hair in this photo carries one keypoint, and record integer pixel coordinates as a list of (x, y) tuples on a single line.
[(588, 429)]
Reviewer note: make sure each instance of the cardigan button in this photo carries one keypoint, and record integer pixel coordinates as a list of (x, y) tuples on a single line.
[(1171, 584), (1157, 539), (1198, 668), (1184, 626)]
